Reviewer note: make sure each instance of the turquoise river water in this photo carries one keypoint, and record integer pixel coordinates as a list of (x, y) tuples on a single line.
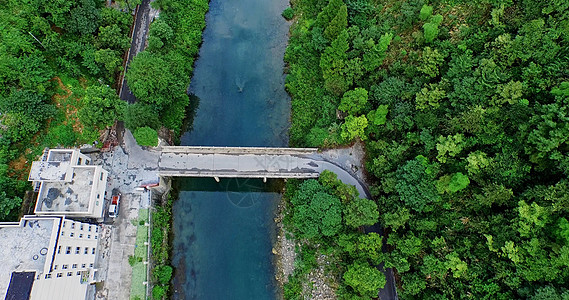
[(223, 232)]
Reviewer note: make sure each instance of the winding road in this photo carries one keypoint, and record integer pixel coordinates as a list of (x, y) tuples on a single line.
[(139, 33)]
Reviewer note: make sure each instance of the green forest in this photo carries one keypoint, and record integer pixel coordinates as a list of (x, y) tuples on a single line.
[(326, 215), (462, 106), (160, 75), (59, 61)]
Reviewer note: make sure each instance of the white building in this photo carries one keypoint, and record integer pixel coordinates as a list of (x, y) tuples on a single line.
[(48, 257), (68, 185)]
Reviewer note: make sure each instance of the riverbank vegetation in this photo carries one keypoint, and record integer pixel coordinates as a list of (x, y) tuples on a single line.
[(462, 105), (56, 60), (326, 218), (160, 243), (160, 75)]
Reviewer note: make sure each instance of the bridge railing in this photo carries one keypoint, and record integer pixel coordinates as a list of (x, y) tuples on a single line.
[(239, 150)]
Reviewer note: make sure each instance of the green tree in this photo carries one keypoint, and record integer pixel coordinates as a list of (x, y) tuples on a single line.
[(160, 33), (140, 115), (364, 279), (360, 212), (101, 107), (328, 13), (84, 18), (316, 212), (430, 62), (8, 205), (426, 12), (158, 292), (429, 97), (397, 219), (354, 127), (379, 116), (338, 24), (155, 80), (365, 247), (431, 29), (354, 101), (24, 112), (452, 184), (415, 184), (450, 146), (111, 37), (146, 136), (110, 59), (375, 54), (288, 13), (334, 64)]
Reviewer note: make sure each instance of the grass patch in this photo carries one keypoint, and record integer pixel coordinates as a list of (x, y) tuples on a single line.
[(137, 287), (139, 269)]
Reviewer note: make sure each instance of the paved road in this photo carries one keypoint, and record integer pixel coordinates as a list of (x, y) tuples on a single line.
[(140, 31)]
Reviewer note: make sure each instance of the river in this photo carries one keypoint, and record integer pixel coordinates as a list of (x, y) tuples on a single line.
[(223, 232)]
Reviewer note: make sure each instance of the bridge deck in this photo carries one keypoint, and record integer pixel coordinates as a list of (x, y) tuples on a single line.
[(238, 162)]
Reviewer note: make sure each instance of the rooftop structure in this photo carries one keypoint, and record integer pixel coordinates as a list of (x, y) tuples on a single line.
[(47, 258), (68, 185)]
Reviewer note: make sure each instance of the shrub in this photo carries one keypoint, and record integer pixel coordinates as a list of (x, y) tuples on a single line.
[(61, 135), (162, 274), (132, 260), (426, 12), (146, 136), (158, 292), (430, 32), (288, 13)]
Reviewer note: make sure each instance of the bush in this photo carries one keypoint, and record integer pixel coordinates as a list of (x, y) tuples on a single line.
[(158, 292), (162, 274), (430, 32), (140, 115), (426, 12), (146, 136), (61, 135), (288, 13), (132, 260)]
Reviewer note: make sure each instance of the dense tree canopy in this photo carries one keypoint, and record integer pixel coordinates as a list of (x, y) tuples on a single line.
[(466, 130), (327, 217), (160, 75), (101, 107)]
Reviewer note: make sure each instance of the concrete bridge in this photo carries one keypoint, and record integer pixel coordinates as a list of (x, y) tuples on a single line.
[(249, 162)]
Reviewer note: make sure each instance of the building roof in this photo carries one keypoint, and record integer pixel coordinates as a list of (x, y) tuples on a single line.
[(64, 288), (49, 171), (20, 285), (73, 196), (26, 247), (60, 154)]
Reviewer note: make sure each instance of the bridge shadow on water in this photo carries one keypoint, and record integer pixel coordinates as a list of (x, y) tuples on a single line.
[(239, 185), (224, 232)]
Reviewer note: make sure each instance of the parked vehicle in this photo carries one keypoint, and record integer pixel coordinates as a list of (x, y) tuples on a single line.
[(114, 207)]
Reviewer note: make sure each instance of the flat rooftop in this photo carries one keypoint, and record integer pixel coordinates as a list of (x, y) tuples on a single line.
[(24, 248), (73, 196), (60, 155), (49, 171)]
